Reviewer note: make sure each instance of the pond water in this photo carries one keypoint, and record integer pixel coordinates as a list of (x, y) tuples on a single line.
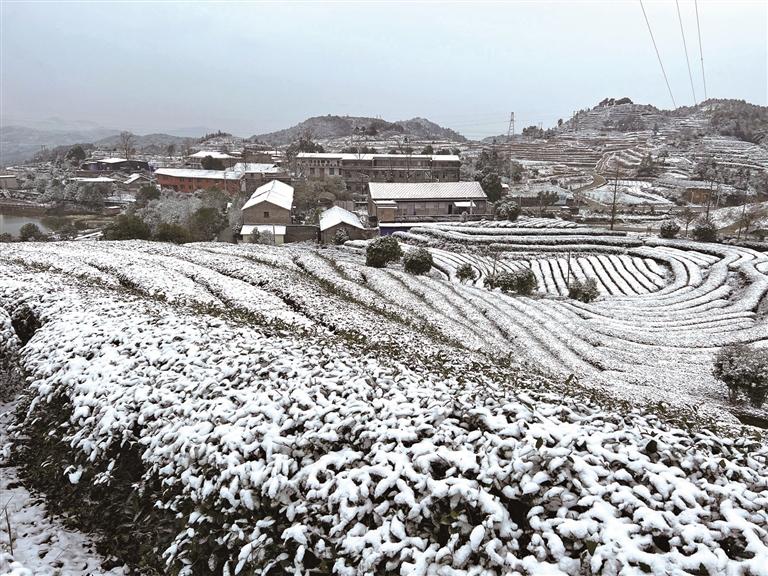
[(12, 223)]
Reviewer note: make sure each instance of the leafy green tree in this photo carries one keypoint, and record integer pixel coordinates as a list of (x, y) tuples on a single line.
[(744, 370), (418, 261), (145, 194), (167, 232), (506, 209), (515, 171), (76, 154), (206, 223), (127, 227), (211, 163), (382, 251), (29, 232), (428, 149), (646, 166), (6, 237), (491, 184)]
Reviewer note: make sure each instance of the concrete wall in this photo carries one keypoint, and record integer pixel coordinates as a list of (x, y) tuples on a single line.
[(266, 213), (301, 233)]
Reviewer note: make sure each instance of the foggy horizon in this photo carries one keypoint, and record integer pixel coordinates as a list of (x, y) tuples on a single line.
[(259, 67)]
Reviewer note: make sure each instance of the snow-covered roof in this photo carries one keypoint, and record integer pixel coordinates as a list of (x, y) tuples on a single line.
[(426, 191), (192, 173), (355, 156), (337, 215), (255, 168), (464, 204), (112, 160), (213, 154), (248, 229), (275, 192), (97, 179), (135, 176)]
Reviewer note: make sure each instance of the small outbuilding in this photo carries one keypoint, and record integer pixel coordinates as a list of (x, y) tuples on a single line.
[(335, 219), (269, 204)]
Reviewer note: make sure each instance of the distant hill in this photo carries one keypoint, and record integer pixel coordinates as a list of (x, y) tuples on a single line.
[(326, 127), (147, 143), (20, 143)]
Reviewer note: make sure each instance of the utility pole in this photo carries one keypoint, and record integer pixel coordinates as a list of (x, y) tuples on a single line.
[(743, 212), (615, 192), (511, 129), (709, 197)]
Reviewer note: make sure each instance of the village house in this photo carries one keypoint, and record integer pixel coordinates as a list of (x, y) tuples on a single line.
[(255, 174), (114, 165), (388, 202), (337, 218), (9, 182), (135, 181), (357, 170), (189, 180), (269, 204), (544, 196)]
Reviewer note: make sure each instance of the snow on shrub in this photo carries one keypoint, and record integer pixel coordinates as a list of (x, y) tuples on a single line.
[(465, 272), (521, 281), (418, 261), (705, 231), (585, 291), (382, 251), (745, 371), (269, 451), (669, 229)]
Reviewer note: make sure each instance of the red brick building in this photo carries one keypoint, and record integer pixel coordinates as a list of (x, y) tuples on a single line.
[(189, 180)]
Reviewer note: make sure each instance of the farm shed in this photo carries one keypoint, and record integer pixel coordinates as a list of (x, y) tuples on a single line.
[(335, 219), (419, 199), (269, 204)]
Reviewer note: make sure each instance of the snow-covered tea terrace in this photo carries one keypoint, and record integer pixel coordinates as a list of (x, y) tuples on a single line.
[(288, 410)]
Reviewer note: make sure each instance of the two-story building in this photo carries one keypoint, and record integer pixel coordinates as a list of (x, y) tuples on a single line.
[(189, 180), (268, 210), (357, 170)]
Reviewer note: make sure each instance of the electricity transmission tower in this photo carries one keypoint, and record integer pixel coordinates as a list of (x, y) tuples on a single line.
[(511, 129)]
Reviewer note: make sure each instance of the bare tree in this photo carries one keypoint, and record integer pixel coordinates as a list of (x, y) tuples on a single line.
[(688, 216), (750, 216), (127, 140)]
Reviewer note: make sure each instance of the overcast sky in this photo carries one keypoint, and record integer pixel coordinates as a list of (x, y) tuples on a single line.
[(252, 67)]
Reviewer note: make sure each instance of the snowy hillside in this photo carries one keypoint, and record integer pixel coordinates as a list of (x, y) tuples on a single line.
[(252, 409)]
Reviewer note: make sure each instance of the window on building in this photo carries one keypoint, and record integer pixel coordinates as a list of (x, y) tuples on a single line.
[(266, 214)]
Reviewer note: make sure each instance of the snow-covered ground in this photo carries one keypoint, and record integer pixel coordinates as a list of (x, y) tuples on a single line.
[(296, 409), (725, 217)]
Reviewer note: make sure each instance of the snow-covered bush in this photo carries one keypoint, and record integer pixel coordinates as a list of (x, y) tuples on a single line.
[(418, 261), (705, 231), (745, 371), (585, 291), (507, 209), (340, 237), (465, 272), (521, 281), (382, 251), (669, 229)]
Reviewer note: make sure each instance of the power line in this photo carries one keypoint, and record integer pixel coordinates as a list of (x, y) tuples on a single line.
[(685, 47), (701, 53), (657, 54)]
